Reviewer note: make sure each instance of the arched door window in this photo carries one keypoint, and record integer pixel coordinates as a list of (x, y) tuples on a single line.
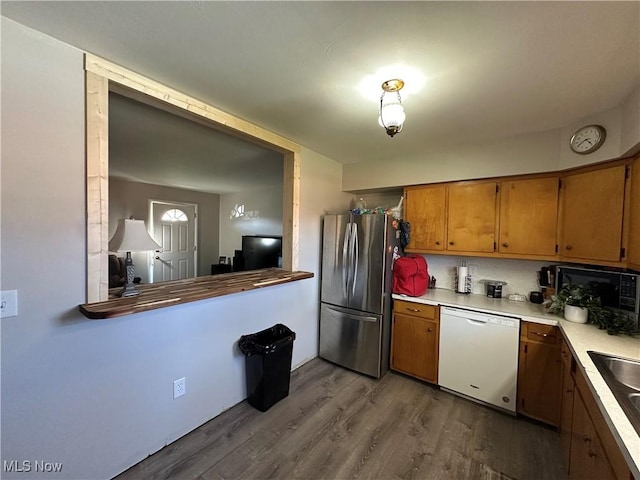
[(174, 215)]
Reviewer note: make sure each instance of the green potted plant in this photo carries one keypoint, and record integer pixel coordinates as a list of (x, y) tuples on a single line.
[(579, 305), (611, 321), (574, 301)]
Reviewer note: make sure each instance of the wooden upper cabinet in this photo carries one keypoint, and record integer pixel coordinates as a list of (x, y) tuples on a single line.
[(592, 211), (528, 216), (425, 210), (472, 217), (588, 216), (633, 245)]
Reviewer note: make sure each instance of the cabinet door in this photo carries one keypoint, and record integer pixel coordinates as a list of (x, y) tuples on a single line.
[(414, 347), (425, 209), (528, 216), (588, 459), (471, 225), (592, 214), (633, 254), (566, 407), (539, 377)]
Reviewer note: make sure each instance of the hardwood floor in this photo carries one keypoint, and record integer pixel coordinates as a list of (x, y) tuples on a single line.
[(337, 424)]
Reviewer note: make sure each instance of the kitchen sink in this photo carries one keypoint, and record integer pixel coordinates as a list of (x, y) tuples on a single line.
[(623, 370), (622, 375)]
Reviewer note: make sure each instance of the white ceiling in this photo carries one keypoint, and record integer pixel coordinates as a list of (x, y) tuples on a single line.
[(153, 146), (492, 69)]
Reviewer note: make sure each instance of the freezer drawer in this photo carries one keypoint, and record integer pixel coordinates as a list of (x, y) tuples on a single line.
[(352, 339)]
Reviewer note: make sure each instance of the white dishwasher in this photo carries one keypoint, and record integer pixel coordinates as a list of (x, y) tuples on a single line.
[(479, 356)]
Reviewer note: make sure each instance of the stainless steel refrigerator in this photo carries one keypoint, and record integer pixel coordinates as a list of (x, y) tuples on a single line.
[(355, 308)]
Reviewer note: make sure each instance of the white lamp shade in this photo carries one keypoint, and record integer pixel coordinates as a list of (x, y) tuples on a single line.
[(392, 115), (131, 236)]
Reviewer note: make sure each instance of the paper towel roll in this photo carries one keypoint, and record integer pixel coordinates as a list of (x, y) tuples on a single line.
[(462, 275)]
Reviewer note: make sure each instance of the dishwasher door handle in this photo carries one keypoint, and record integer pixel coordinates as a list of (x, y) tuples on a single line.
[(464, 315), (477, 318), (474, 321)]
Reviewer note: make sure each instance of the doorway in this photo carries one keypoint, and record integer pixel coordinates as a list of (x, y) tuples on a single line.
[(174, 226)]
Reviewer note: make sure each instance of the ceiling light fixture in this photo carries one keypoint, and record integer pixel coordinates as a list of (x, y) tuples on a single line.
[(392, 115)]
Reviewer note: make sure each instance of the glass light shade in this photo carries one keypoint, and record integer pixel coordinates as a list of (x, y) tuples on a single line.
[(392, 115), (131, 236)]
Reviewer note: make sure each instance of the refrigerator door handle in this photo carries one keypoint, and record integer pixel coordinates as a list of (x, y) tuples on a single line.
[(345, 251), (356, 255), (353, 315)]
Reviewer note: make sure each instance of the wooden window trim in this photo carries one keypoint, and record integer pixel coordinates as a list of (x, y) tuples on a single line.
[(102, 77)]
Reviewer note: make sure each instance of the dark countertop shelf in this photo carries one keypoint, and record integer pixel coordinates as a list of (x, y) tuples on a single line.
[(167, 294)]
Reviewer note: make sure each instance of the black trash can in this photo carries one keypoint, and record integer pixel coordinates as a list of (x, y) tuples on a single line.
[(268, 365)]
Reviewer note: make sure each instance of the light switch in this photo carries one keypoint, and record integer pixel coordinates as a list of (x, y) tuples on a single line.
[(8, 303)]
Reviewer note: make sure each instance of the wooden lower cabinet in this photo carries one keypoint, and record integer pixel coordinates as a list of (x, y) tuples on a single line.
[(414, 340), (539, 373), (589, 449), (566, 403), (587, 459)]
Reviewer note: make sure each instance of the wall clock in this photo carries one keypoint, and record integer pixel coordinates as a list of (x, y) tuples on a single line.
[(588, 139)]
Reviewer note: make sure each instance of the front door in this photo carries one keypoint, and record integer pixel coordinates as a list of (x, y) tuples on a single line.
[(174, 227)]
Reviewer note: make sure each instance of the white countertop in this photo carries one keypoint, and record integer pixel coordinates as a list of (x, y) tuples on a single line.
[(580, 337), (528, 311)]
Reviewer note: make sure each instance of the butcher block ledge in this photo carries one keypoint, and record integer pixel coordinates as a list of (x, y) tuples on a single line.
[(168, 294)]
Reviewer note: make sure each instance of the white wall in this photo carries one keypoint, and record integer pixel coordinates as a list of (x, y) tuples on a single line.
[(520, 275), (611, 120), (132, 198), (532, 152), (630, 123), (97, 395), (263, 216)]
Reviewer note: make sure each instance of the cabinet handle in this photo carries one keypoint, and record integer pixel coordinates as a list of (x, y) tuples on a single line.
[(541, 334), (429, 330), (568, 247), (592, 454), (586, 438), (451, 243), (414, 309), (437, 243), (569, 390), (505, 245)]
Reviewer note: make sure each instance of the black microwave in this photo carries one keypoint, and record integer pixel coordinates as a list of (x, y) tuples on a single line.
[(617, 290)]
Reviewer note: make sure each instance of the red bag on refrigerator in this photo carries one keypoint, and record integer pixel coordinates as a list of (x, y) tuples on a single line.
[(410, 275)]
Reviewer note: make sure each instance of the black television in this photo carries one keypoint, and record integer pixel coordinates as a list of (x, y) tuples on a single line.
[(261, 251)]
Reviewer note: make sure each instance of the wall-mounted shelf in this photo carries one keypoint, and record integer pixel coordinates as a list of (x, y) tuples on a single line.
[(167, 294)]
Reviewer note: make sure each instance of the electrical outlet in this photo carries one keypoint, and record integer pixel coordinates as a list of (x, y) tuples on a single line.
[(179, 387), (8, 303)]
